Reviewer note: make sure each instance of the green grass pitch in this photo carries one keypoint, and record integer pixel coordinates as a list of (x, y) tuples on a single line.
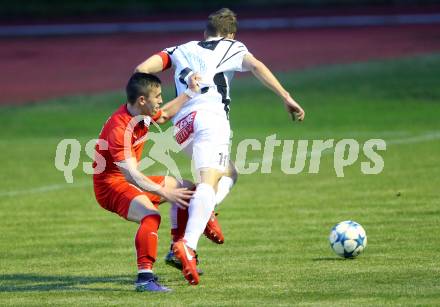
[(58, 247)]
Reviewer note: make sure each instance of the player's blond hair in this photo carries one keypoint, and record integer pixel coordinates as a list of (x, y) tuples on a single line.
[(222, 23)]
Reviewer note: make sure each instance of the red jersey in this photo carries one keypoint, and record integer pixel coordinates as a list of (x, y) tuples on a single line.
[(120, 128)]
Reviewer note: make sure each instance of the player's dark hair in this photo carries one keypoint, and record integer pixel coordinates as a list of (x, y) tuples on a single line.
[(140, 84), (222, 22)]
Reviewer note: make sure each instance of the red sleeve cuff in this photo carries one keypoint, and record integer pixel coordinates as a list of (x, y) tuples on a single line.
[(157, 116), (166, 60)]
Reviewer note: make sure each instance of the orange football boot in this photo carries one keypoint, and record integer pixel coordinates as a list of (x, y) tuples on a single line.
[(188, 258), (213, 230)]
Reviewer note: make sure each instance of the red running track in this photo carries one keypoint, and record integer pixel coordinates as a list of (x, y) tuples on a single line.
[(32, 69)]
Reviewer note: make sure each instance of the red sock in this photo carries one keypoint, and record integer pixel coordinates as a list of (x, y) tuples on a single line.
[(182, 219), (146, 242)]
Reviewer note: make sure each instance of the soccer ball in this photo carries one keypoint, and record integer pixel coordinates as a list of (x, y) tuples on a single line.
[(348, 239)]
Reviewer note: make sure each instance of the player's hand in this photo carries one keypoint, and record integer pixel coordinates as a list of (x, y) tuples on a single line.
[(193, 83), (294, 109), (178, 196)]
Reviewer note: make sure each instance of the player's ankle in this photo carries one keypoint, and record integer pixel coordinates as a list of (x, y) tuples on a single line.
[(142, 277)]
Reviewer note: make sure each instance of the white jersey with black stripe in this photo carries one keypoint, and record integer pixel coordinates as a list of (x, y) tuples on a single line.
[(215, 60)]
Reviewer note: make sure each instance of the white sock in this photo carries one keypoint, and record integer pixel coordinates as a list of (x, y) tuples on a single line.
[(200, 209), (225, 185), (145, 271)]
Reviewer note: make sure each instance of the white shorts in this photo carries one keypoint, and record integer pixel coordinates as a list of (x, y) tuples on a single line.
[(205, 136)]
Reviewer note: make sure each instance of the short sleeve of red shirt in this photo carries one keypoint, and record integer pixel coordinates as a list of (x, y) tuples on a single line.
[(166, 60), (116, 144), (157, 116)]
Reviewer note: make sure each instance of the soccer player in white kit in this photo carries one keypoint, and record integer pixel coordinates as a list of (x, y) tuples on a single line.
[(202, 125)]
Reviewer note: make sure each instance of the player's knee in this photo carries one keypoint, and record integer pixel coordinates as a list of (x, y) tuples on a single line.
[(149, 213), (210, 176), (140, 207)]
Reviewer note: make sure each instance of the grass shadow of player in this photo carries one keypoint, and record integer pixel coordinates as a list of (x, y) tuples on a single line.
[(330, 259), (39, 283), (36, 282)]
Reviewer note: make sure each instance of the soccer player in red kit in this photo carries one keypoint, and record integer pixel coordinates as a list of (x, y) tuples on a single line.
[(118, 184)]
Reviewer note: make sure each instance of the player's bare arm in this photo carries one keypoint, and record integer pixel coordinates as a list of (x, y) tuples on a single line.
[(172, 107), (270, 81), (179, 196), (153, 64)]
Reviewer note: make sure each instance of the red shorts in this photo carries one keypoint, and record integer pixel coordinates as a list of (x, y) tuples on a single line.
[(116, 195)]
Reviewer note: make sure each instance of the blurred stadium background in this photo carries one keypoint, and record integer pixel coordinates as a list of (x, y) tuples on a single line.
[(48, 9), (58, 48)]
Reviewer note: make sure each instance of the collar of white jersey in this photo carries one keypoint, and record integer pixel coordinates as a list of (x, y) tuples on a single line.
[(214, 38)]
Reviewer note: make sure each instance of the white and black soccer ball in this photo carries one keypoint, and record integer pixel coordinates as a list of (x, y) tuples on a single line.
[(348, 239)]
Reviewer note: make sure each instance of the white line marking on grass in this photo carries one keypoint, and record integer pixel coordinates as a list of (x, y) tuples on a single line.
[(430, 136), (43, 189)]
